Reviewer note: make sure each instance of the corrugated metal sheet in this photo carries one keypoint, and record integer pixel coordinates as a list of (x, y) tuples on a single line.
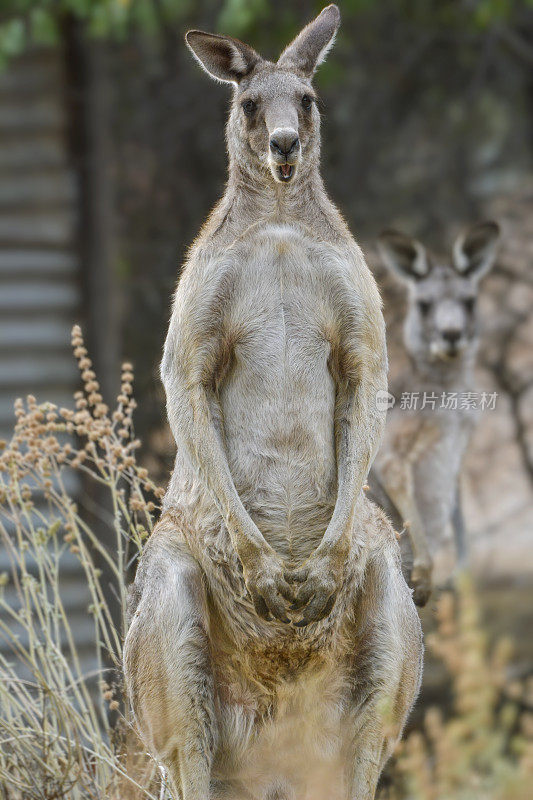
[(39, 266)]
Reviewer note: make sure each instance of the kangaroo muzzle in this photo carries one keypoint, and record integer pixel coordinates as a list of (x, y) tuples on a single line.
[(284, 153)]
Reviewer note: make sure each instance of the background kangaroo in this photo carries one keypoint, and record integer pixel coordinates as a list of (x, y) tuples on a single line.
[(274, 649), (415, 476)]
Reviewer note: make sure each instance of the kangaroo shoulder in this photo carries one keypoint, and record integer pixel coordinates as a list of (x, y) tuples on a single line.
[(205, 281)]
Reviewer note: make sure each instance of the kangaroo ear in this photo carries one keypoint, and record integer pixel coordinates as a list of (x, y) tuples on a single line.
[(403, 255), (313, 43), (474, 251), (222, 57)]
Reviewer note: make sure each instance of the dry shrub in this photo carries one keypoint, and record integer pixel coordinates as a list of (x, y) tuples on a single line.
[(66, 733), (481, 748)]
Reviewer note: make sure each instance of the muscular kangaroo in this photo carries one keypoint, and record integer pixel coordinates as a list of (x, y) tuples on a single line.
[(274, 650)]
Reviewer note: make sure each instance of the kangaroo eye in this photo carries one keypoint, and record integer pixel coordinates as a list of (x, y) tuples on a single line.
[(424, 306), (307, 101), (469, 304), (249, 107)]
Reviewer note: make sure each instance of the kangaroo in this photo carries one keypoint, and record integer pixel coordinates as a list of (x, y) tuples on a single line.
[(274, 650), (417, 469)]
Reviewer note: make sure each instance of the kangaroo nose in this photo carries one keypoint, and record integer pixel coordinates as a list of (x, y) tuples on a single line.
[(451, 335), (284, 142)]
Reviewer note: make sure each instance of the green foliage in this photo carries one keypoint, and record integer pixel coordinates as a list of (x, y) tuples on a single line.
[(12, 39), (238, 16), (36, 21), (486, 12), (26, 22), (43, 27)]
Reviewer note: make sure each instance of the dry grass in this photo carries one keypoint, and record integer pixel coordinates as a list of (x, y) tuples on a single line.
[(63, 733), (66, 733), (482, 747)]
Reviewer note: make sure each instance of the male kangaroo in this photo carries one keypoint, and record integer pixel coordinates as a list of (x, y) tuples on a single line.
[(274, 649), (418, 466)]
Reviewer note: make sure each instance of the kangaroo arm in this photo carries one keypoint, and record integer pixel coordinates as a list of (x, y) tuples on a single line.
[(190, 364), (191, 419), (358, 364), (358, 431)]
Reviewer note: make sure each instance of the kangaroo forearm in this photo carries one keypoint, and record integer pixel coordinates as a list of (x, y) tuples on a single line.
[(402, 496), (419, 543), (193, 427), (359, 432)]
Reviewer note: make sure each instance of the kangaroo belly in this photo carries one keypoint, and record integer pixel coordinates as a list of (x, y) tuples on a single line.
[(280, 451), (278, 398)]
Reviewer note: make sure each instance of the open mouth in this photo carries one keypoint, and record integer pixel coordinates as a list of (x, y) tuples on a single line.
[(445, 352), (285, 172), (450, 353)]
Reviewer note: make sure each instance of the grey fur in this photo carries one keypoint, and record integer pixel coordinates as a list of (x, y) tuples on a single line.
[(420, 460)]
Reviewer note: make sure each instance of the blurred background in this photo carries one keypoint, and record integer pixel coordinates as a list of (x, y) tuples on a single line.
[(112, 154)]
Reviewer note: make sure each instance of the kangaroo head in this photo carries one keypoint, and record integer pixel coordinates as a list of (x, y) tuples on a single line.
[(441, 322), (274, 124)]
